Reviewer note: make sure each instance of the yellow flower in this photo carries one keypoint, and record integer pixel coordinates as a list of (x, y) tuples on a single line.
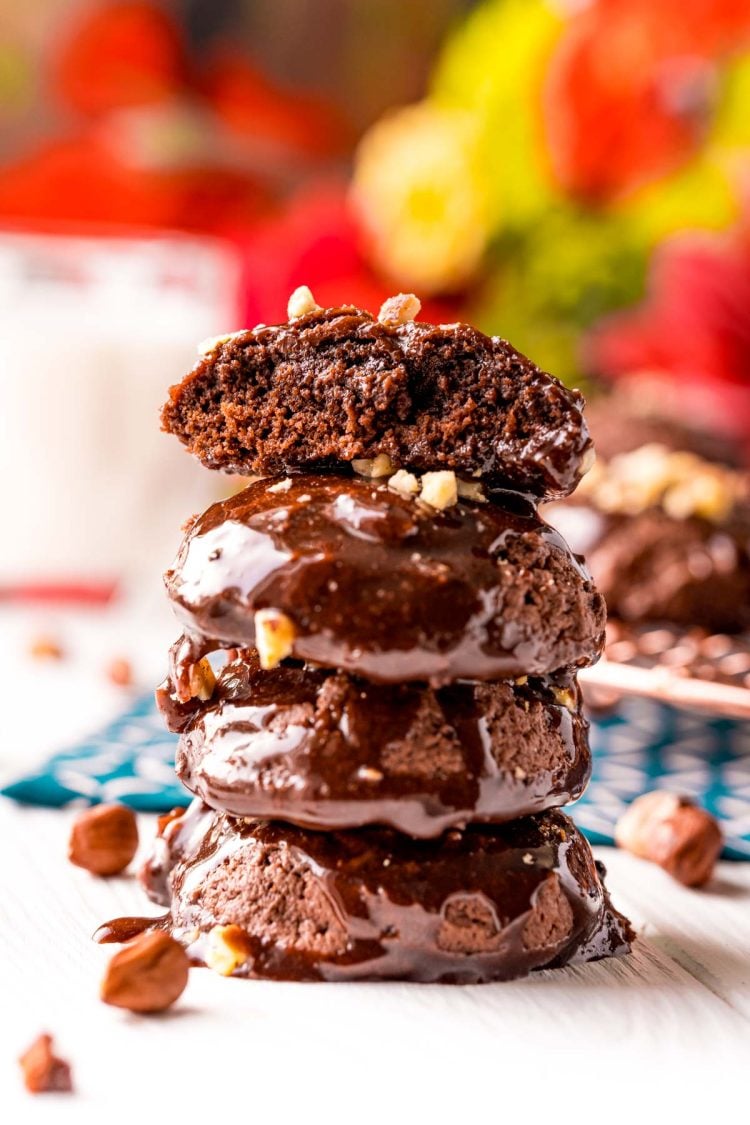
[(420, 193)]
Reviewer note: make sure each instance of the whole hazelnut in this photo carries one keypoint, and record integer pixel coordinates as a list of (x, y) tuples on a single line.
[(146, 975), (104, 839), (673, 832)]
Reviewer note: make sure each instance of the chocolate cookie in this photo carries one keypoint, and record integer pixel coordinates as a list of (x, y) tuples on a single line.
[(325, 751), (651, 567), (336, 384), (479, 905), (382, 586)]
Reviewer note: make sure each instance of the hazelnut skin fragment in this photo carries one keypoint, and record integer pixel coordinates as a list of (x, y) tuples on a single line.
[(104, 839), (146, 975), (43, 1071), (673, 832)]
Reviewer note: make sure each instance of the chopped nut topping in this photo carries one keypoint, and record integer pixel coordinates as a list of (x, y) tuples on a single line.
[(470, 490), (440, 489), (520, 774), (43, 1071), (681, 483), (405, 483), (369, 773), (528, 858), (301, 303), (375, 467), (274, 637), (104, 839), (212, 343), (227, 949), (588, 461), (201, 680), (565, 698), (521, 680), (46, 648), (400, 309), (281, 485)]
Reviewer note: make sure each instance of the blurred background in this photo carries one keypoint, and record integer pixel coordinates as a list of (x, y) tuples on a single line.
[(572, 175)]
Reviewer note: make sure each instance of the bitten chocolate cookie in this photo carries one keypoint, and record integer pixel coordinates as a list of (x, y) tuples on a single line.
[(479, 905), (383, 586), (325, 751), (336, 384)]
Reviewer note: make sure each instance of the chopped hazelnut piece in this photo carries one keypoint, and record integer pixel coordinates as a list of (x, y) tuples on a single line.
[(565, 698), (120, 672), (201, 680), (673, 832), (227, 948), (375, 467), (281, 485), (588, 461), (274, 637), (405, 483), (301, 303), (439, 490), (43, 1071), (211, 343), (46, 648), (400, 309), (369, 773), (470, 490)]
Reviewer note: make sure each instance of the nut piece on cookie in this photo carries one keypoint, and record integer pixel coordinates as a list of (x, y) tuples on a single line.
[(227, 948), (374, 467), (404, 482), (470, 490), (673, 832), (274, 637), (401, 309), (301, 303), (201, 680), (439, 490)]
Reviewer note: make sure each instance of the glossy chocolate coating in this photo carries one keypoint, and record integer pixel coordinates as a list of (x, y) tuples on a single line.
[(479, 905), (382, 586), (324, 751)]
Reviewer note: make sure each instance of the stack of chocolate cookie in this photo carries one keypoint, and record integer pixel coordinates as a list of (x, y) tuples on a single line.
[(379, 763)]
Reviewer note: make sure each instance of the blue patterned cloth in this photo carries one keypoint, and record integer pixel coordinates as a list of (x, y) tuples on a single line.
[(642, 746)]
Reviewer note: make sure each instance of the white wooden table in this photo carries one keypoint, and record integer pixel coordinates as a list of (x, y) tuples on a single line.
[(667, 1028)]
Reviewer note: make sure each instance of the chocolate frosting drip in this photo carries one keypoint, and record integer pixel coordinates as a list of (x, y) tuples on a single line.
[(479, 905), (325, 751), (381, 586)]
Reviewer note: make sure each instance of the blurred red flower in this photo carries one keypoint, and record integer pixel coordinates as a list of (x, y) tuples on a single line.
[(625, 99), (315, 241), (118, 55), (693, 329), (251, 105), (81, 181)]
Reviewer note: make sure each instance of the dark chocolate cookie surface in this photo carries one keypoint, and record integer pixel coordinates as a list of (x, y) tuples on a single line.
[(336, 384), (479, 905), (325, 751), (382, 586)]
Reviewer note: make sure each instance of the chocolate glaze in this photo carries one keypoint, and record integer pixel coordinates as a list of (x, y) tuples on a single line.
[(336, 385), (381, 586), (325, 751), (479, 905)]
